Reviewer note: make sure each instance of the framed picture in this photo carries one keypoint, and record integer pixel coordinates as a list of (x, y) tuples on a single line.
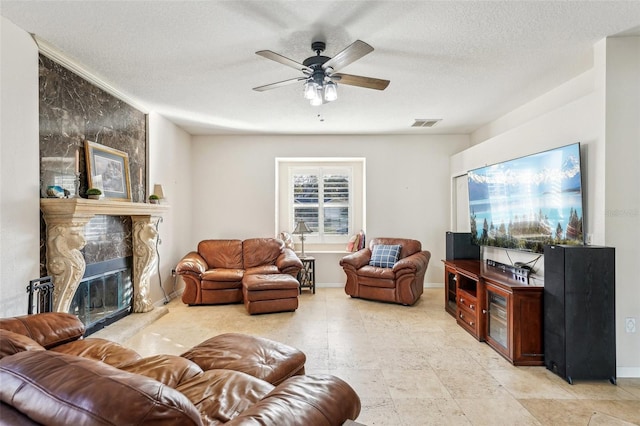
[(108, 170)]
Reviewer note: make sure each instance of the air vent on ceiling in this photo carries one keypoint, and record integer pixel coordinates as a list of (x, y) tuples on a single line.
[(426, 122)]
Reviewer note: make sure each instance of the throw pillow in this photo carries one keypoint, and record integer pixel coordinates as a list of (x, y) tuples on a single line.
[(385, 256)]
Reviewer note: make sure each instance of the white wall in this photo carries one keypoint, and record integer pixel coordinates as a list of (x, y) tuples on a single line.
[(622, 186), (19, 173), (575, 112), (407, 188), (170, 165)]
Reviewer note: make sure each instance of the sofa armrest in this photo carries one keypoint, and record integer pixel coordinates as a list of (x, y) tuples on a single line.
[(357, 260), (54, 388), (319, 400), (288, 262), (48, 329), (192, 263), (414, 263)]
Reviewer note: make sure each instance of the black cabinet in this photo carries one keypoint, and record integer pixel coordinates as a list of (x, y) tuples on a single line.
[(579, 312)]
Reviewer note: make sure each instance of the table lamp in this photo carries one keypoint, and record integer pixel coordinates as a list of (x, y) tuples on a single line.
[(301, 228)]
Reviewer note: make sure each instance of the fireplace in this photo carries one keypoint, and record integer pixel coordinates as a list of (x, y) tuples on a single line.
[(104, 295), (65, 233)]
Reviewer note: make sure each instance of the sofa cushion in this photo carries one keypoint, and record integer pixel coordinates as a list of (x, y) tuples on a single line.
[(221, 253), (262, 269), (385, 256), (12, 343), (261, 251), (310, 400), (374, 272), (171, 370), (220, 395), (262, 358), (97, 349), (55, 388), (48, 329), (223, 275)]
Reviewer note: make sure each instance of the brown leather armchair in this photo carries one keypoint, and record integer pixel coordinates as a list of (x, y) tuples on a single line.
[(213, 274), (403, 283)]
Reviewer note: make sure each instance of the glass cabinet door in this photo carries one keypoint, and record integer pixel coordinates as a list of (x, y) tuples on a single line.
[(452, 288), (497, 318)]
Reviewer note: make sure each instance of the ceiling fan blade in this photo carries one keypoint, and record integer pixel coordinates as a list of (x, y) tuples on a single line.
[(357, 80), (278, 84), (283, 60), (351, 53)]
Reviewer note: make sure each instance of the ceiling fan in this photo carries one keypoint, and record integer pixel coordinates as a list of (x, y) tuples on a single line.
[(320, 74)]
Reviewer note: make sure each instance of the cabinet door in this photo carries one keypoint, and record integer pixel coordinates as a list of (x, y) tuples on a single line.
[(527, 327), (450, 290), (498, 320)]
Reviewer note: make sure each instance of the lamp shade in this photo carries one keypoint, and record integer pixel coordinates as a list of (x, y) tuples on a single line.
[(157, 190), (301, 228), (330, 91)]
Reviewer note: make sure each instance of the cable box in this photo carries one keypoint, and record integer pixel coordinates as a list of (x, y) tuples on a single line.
[(519, 273)]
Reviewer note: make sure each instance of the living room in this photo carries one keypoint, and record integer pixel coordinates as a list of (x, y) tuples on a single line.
[(223, 185)]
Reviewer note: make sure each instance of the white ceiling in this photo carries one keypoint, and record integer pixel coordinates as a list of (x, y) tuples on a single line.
[(465, 62)]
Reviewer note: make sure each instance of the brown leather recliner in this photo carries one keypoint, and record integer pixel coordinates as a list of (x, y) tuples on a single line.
[(213, 274), (403, 283)]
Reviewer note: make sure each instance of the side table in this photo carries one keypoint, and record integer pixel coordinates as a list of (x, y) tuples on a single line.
[(307, 275)]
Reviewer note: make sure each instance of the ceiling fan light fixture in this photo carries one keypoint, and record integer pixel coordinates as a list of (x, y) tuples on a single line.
[(317, 98), (309, 89), (330, 91)]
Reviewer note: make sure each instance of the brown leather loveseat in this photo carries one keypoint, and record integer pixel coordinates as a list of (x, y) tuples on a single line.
[(50, 375), (213, 274), (400, 281)]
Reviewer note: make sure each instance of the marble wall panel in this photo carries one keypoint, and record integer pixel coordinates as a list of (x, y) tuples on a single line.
[(73, 110)]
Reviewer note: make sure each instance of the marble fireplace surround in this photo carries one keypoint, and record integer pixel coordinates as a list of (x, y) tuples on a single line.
[(65, 220)]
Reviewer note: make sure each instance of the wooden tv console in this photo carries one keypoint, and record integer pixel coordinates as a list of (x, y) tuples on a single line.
[(494, 307)]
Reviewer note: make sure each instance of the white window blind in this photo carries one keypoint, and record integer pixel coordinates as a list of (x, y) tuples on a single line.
[(321, 198), (327, 194)]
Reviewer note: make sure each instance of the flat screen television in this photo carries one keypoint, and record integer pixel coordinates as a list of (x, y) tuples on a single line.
[(528, 202)]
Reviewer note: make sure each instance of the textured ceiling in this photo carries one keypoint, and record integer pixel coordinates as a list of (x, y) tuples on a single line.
[(464, 62)]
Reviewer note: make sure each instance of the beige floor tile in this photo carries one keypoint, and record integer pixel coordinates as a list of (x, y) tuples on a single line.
[(528, 382), (601, 389), (378, 412), (631, 385), (367, 383), (436, 412), (496, 412), (410, 384), (599, 419), (583, 412)]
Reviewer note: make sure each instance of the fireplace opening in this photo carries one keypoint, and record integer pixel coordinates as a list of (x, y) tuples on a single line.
[(105, 294)]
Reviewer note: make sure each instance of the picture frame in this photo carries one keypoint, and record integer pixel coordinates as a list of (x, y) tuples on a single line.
[(108, 170)]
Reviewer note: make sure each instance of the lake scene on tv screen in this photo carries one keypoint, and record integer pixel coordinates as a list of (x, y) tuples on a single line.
[(528, 202)]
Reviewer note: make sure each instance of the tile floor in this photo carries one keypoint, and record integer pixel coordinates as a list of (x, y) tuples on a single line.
[(410, 365)]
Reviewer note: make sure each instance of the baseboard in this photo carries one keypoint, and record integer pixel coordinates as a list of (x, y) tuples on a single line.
[(628, 372)]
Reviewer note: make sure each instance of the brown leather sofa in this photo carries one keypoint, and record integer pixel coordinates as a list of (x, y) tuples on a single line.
[(401, 283), (213, 274), (50, 375)]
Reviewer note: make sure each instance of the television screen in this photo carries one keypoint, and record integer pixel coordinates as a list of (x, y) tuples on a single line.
[(528, 202)]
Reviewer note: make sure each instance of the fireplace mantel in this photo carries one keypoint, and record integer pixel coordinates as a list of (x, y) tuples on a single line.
[(65, 208), (66, 219)]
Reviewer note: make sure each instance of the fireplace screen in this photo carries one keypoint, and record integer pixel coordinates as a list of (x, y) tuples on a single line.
[(103, 298)]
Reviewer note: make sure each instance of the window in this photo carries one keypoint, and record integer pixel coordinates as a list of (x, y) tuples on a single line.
[(327, 194)]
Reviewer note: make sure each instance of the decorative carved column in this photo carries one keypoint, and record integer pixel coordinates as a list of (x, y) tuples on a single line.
[(66, 220), (145, 260), (65, 262)]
